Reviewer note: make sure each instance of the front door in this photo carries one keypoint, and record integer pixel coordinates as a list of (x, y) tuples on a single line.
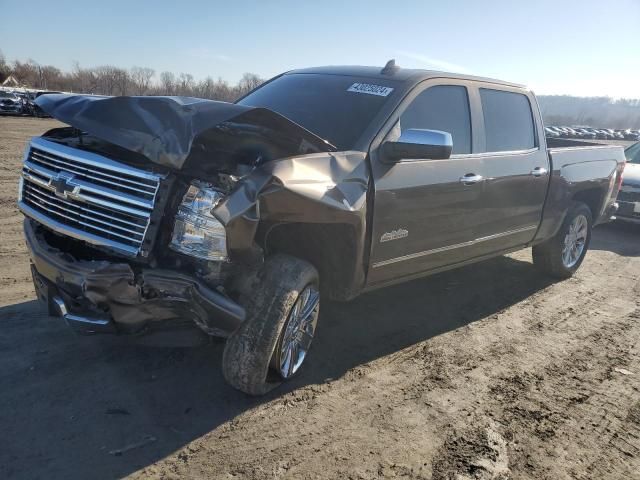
[(425, 213)]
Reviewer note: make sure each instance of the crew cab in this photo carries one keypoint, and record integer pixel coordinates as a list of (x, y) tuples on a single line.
[(149, 215)]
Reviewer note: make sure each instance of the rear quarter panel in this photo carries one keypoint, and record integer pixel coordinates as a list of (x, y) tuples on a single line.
[(579, 173)]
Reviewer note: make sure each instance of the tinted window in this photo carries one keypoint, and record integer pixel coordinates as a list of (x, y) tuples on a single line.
[(323, 104), (508, 121), (445, 108)]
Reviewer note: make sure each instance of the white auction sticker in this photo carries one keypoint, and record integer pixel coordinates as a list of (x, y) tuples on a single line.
[(370, 89)]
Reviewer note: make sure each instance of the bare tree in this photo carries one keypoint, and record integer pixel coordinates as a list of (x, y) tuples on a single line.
[(5, 70), (248, 82), (122, 81), (84, 80), (141, 79), (112, 80), (167, 83), (186, 84), (26, 72), (50, 77)]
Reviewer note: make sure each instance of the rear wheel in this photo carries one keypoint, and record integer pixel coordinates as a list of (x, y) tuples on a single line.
[(562, 255), (273, 342)]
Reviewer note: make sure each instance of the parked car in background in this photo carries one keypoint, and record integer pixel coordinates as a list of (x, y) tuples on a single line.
[(11, 103), (35, 109), (603, 135), (25, 99), (631, 134), (584, 133), (618, 135), (551, 133), (629, 195), (568, 133), (600, 135)]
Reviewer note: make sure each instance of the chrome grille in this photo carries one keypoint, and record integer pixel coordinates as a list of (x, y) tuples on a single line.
[(88, 196)]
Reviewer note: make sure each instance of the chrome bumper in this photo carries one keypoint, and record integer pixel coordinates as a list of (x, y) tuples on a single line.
[(82, 324), (104, 297)]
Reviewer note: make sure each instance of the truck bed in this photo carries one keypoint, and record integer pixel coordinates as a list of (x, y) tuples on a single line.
[(586, 171)]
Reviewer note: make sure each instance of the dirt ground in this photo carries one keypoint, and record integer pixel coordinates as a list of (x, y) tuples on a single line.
[(488, 372)]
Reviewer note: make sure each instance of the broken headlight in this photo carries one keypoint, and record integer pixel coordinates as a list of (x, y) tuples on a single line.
[(196, 231)]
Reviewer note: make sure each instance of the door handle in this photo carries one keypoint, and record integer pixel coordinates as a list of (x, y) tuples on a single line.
[(471, 178), (539, 171)]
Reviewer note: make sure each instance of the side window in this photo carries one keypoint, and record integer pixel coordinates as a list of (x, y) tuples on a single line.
[(508, 121), (445, 108)]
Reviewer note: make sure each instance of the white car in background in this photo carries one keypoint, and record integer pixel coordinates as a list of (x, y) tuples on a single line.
[(11, 103)]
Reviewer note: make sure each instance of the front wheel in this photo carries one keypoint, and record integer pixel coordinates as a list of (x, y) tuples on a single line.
[(273, 342), (562, 255)]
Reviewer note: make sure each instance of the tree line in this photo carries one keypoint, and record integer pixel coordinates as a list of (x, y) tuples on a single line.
[(112, 80), (603, 112)]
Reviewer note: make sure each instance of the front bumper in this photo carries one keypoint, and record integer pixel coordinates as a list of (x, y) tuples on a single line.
[(101, 296)]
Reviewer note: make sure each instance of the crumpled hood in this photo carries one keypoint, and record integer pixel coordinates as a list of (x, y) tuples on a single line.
[(173, 131)]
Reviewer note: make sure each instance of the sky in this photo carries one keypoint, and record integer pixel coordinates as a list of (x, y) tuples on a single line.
[(585, 48)]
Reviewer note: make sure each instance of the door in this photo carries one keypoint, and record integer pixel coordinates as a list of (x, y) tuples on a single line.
[(424, 216), (516, 168)]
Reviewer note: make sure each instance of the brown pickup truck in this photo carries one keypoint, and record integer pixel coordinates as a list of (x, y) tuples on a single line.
[(162, 215)]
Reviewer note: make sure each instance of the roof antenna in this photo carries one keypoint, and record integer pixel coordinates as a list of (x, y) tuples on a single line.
[(390, 68)]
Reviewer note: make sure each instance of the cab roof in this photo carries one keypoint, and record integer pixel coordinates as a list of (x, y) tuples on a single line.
[(409, 76)]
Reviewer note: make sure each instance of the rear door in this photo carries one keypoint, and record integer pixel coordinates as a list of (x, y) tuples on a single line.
[(424, 217), (516, 167)]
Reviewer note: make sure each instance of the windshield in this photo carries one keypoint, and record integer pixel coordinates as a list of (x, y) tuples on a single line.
[(334, 107), (7, 95), (633, 153)]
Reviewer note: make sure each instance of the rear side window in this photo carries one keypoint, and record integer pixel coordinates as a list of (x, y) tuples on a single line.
[(508, 121), (445, 108)]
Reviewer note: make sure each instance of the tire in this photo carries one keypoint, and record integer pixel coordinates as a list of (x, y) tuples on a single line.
[(548, 256), (252, 356)]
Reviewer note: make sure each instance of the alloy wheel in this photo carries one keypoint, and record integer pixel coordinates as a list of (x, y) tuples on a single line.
[(298, 332), (575, 241)]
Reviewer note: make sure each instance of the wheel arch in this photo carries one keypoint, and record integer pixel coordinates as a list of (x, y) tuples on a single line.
[(333, 249), (592, 198)]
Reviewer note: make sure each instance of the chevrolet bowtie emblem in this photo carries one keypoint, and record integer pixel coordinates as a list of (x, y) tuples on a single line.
[(62, 184)]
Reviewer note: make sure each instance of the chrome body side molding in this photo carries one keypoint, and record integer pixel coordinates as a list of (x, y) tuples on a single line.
[(453, 247)]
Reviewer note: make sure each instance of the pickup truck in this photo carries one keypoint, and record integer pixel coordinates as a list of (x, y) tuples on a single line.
[(165, 215)]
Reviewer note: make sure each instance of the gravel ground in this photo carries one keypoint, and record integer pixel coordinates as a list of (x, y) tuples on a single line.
[(488, 372)]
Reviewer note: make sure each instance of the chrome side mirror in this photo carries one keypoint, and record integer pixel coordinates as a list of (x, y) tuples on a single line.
[(417, 143)]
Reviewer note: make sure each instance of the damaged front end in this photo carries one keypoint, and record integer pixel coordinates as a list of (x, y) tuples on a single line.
[(153, 213), (92, 294)]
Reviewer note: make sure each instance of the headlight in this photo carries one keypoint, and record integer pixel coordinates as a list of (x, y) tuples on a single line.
[(196, 231)]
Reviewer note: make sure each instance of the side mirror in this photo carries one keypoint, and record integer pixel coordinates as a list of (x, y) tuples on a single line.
[(417, 143)]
